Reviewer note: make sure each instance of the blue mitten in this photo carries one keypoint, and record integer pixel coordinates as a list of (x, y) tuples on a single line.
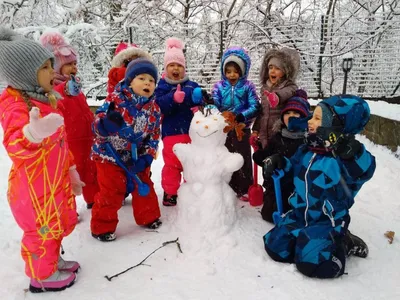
[(142, 163), (74, 86), (197, 96), (298, 124), (113, 121)]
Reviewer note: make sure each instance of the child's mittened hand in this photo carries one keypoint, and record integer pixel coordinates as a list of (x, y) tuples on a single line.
[(347, 147), (179, 95), (76, 183), (197, 96), (74, 86), (275, 161), (273, 99), (40, 128), (113, 120)]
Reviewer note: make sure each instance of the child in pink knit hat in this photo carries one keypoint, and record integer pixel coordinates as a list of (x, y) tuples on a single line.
[(175, 95), (78, 117)]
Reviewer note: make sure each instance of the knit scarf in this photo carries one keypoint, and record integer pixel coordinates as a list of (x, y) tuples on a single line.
[(176, 82), (294, 135), (43, 97), (317, 144)]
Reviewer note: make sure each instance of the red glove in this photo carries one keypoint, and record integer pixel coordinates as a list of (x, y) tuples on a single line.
[(254, 142), (273, 99), (179, 95)]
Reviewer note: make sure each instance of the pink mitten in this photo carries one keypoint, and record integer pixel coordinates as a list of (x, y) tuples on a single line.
[(179, 95), (76, 182), (273, 99), (40, 128)]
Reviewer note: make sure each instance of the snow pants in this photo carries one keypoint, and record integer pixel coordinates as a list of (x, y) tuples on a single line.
[(242, 179), (85, 167), (171, 174), (112, 183), (45, 220), (317, 250)]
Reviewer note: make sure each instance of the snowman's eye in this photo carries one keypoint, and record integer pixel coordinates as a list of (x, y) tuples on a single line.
[(197, 122)]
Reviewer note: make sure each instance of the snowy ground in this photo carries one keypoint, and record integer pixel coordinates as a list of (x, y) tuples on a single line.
[(239, 270)]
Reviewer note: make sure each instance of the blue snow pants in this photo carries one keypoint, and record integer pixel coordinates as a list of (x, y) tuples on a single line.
[(317, 249)]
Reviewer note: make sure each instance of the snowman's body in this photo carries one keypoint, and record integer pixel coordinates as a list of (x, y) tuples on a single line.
[(206, 202)]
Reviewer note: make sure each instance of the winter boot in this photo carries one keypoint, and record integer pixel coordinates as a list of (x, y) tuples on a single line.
[(155, 224), (105, 237), (59, 281), (169, 200), (68, 265), (355, 245)]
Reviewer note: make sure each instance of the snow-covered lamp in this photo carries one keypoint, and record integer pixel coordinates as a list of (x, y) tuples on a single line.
[(347, 64)]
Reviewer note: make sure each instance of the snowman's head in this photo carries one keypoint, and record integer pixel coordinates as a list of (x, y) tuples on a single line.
[(207, 128)]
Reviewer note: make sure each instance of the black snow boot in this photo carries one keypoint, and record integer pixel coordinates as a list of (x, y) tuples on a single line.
[(355, 245), (169, 200), (105, 237), (155, 224)]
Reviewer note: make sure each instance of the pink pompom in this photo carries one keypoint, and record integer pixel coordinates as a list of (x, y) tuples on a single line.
[(173, 43), (52, 38)]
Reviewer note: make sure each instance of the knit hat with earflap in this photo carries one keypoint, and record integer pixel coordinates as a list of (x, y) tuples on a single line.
[(174, 53), (298, 103), (348, 113), (63, 52), (140, 66), (20, 60)]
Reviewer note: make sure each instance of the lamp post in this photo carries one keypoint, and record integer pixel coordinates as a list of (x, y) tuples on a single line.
[(347, 64)]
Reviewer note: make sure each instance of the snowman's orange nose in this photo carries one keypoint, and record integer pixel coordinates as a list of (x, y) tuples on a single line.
[(206, 127)]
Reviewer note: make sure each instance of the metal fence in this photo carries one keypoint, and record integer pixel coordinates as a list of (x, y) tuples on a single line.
[(321, 42)]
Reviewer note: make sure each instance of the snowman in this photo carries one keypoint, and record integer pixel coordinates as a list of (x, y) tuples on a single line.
[(207, 204)]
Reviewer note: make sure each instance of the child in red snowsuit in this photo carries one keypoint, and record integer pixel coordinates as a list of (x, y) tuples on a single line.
[(127, 129), (78, 117)]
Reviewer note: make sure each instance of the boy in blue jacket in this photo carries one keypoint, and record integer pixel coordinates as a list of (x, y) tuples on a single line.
[(237, 94), (127, 128), (328, 172)]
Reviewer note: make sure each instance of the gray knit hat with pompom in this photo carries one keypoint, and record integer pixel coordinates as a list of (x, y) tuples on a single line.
[(20, 60)]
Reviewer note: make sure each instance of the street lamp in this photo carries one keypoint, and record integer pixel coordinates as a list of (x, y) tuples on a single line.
[(347, 64)]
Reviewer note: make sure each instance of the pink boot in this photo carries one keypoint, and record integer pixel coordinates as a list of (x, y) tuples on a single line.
[(68, 265), (59, 281)]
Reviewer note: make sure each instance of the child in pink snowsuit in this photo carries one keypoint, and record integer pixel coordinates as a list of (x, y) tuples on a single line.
[(43, 177)]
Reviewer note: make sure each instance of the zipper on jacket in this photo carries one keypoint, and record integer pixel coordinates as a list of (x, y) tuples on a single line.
[(232, 95), (306, 183)]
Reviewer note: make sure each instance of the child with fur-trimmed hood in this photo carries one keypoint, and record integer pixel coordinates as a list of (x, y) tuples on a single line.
[(278, 73), (288, 136), (124, 54)]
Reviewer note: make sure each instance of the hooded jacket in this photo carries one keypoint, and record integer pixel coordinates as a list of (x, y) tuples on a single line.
[(242, 97), (290, 60)]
